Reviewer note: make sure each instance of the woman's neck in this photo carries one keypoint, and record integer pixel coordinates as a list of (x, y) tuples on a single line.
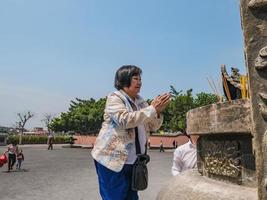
[(194, 139), (133, 97)]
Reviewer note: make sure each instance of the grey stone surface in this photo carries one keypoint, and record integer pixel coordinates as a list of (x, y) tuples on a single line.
[(191, 186), (254, 24), (257, 3), (69, 174), (226, 117)]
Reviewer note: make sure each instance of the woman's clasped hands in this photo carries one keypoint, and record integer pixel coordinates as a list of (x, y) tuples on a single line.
[(161, 102)]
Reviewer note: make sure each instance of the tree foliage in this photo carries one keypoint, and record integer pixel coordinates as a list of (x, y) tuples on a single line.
[(83, 116), (23, 119), (48, 117), (175, 114), (181, 103), (203, 99)]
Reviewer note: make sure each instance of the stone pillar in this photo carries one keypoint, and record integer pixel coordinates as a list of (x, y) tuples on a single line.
[(254, 24)]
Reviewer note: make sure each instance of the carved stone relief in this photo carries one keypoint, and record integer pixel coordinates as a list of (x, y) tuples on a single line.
[(223, 158), (265, 160), (263, 105), (261, 60), (226, 157)]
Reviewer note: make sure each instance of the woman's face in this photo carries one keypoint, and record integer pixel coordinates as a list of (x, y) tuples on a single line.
[(134, 87)]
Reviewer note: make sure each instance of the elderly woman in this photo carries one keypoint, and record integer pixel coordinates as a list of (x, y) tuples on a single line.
[(115, 151)]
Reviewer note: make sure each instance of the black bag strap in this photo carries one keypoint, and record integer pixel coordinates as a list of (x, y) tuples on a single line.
[(137, 143)]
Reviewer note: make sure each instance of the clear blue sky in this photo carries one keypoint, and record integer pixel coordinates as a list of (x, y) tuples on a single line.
[(53, 51)]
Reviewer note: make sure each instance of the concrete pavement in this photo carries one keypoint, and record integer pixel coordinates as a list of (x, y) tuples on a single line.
[(69, 174)]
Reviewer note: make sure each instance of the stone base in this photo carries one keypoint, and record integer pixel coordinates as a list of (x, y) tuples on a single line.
[(190, 185)]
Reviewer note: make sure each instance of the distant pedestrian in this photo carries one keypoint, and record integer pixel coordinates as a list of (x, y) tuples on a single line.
[(12, 152), (161, 147), (20, 158), (174, 144), (50, 141)]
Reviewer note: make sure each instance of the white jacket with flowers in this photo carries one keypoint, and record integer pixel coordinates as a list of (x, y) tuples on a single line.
[(117, 133)]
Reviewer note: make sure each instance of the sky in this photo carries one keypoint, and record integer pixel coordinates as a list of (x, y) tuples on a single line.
[(52, 51)]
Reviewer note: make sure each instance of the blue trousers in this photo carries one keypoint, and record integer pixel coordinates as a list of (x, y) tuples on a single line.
[(115, 185)]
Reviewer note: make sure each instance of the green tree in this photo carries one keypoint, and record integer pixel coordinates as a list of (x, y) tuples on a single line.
[(175, 113), (83, 116), (47, 119), (181, 103), (23, 119), (203, 99)]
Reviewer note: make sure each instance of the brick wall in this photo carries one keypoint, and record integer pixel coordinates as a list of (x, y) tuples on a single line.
[(154, 140)]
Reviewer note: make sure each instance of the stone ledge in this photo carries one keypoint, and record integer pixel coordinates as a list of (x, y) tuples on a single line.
[(226, 117), (190, 185)]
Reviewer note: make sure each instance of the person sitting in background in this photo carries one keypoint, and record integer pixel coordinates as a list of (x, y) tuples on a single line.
[(185, 156)]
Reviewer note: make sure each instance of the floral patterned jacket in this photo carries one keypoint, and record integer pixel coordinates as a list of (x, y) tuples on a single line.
[(117, 133)]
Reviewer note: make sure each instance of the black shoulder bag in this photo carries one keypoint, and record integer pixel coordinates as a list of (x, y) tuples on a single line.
[(140, 172)]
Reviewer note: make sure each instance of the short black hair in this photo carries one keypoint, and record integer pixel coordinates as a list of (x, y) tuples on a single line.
[(124, 76)]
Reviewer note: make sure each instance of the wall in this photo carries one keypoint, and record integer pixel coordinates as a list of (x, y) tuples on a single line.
[(154, 140)]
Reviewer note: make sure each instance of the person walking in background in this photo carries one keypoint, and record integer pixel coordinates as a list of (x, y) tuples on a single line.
[(148, 144), (126, 117), (174, 144), (20, 158), (50, 141), (161, 146), (12, 151), (185, 156)]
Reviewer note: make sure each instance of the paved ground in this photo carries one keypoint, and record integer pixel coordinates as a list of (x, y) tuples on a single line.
[(69, 174)]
